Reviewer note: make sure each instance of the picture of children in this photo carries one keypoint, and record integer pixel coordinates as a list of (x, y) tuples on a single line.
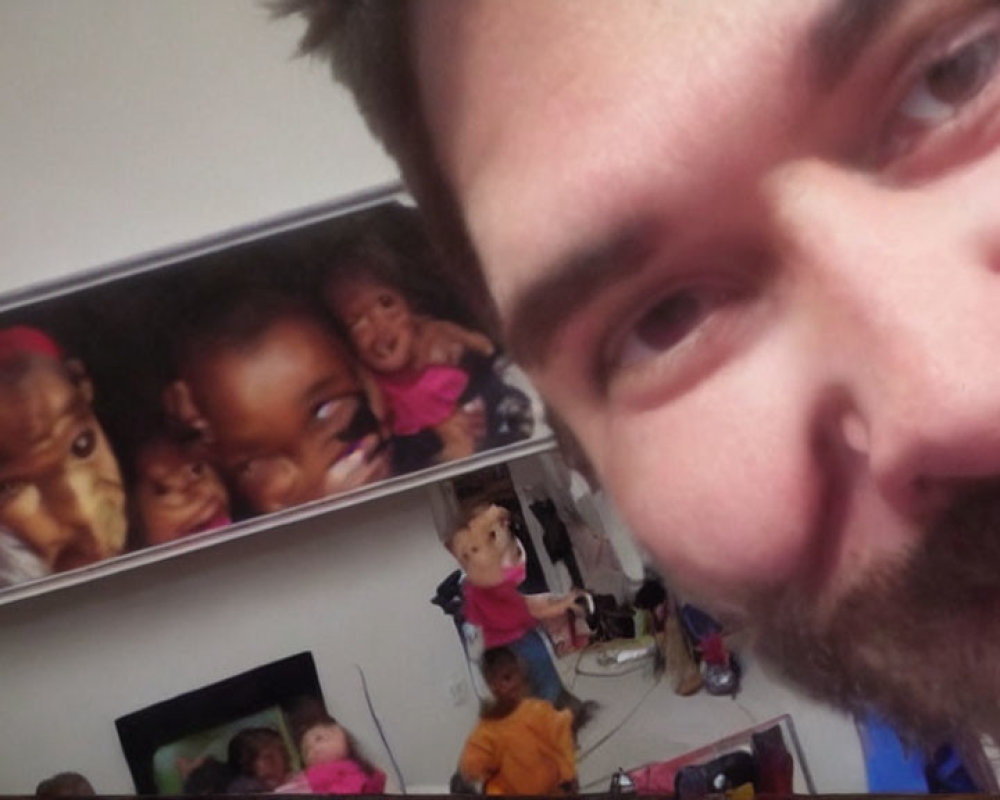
[(332, 764), (61, 491), (177, 492), (443, 396), (259, 373), (260, 760), (280, 402), (521, 745)]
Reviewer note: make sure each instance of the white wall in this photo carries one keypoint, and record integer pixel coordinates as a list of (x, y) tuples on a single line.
[(133, 125), (354, 588)]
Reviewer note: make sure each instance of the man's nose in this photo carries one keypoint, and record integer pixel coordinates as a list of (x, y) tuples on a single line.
[(895, 298)]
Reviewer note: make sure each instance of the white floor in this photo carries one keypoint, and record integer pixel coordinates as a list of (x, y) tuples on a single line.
[(642, 720)]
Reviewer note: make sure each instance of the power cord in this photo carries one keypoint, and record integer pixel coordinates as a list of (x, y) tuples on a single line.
[(604, 739), (381, 732)]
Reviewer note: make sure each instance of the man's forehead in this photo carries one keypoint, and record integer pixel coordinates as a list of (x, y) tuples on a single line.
[(526, 102)]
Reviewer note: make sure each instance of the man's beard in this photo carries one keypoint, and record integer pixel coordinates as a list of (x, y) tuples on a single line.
[(919, 642)]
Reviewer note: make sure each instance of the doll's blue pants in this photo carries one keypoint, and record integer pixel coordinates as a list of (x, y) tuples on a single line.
[(545, 680)]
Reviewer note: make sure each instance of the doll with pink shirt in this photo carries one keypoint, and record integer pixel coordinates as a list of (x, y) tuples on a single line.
[(437, 377), (330, 759)]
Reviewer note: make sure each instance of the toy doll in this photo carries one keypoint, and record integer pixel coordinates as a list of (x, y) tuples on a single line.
[(64, 496), (332, 765), (438, 378), (177, 491), (494, 565), (522, 745)]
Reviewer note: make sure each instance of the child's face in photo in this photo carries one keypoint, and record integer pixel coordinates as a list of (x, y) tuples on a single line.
[(61, 490), (289, 417), (178, 492), (380, 321), (322, 744), (270, 765)]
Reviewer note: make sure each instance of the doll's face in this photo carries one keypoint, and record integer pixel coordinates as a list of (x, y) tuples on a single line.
[(506, 683), (322, 744), (61, 491), (486, 549), (379, 320), (178, 492)]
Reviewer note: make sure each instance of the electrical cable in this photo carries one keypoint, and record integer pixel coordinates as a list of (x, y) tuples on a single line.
[(381, 732), (603, 740)]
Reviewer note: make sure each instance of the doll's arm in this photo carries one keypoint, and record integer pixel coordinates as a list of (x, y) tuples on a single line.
[(549, 605), (480, 758), (463, 433), (444, 342)]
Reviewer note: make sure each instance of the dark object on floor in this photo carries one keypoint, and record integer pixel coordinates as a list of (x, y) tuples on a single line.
[(946, 774), (609, 621), (716, 776), (720, 670), (459, 785), (582, 710), (775, 766), (621, 784)]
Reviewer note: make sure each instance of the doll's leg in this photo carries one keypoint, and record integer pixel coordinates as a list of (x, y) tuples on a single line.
[(545, 680)]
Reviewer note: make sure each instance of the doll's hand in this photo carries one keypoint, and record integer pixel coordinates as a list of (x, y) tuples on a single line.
[(443, 342), (464, 432), (368, 462)]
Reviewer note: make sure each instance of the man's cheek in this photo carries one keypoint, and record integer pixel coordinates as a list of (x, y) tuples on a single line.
[(724, 508)]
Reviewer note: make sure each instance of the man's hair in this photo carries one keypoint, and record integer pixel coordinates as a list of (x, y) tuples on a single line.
[(367, 44)]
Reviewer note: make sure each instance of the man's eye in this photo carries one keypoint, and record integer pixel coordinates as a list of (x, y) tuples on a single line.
[(386, 301), (952, 81), (662, 327), (944, 88), (84, 444)]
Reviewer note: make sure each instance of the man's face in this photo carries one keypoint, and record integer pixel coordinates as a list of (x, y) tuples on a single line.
[(60, 487), (178, 492), (749, 253), (285, 414), (380, 323)]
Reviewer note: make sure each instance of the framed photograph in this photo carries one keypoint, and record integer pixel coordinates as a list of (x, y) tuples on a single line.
[(197, 742), (235, 385)]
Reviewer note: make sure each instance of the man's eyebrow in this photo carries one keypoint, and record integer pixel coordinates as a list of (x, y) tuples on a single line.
[(840, 36), (543, 307)]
